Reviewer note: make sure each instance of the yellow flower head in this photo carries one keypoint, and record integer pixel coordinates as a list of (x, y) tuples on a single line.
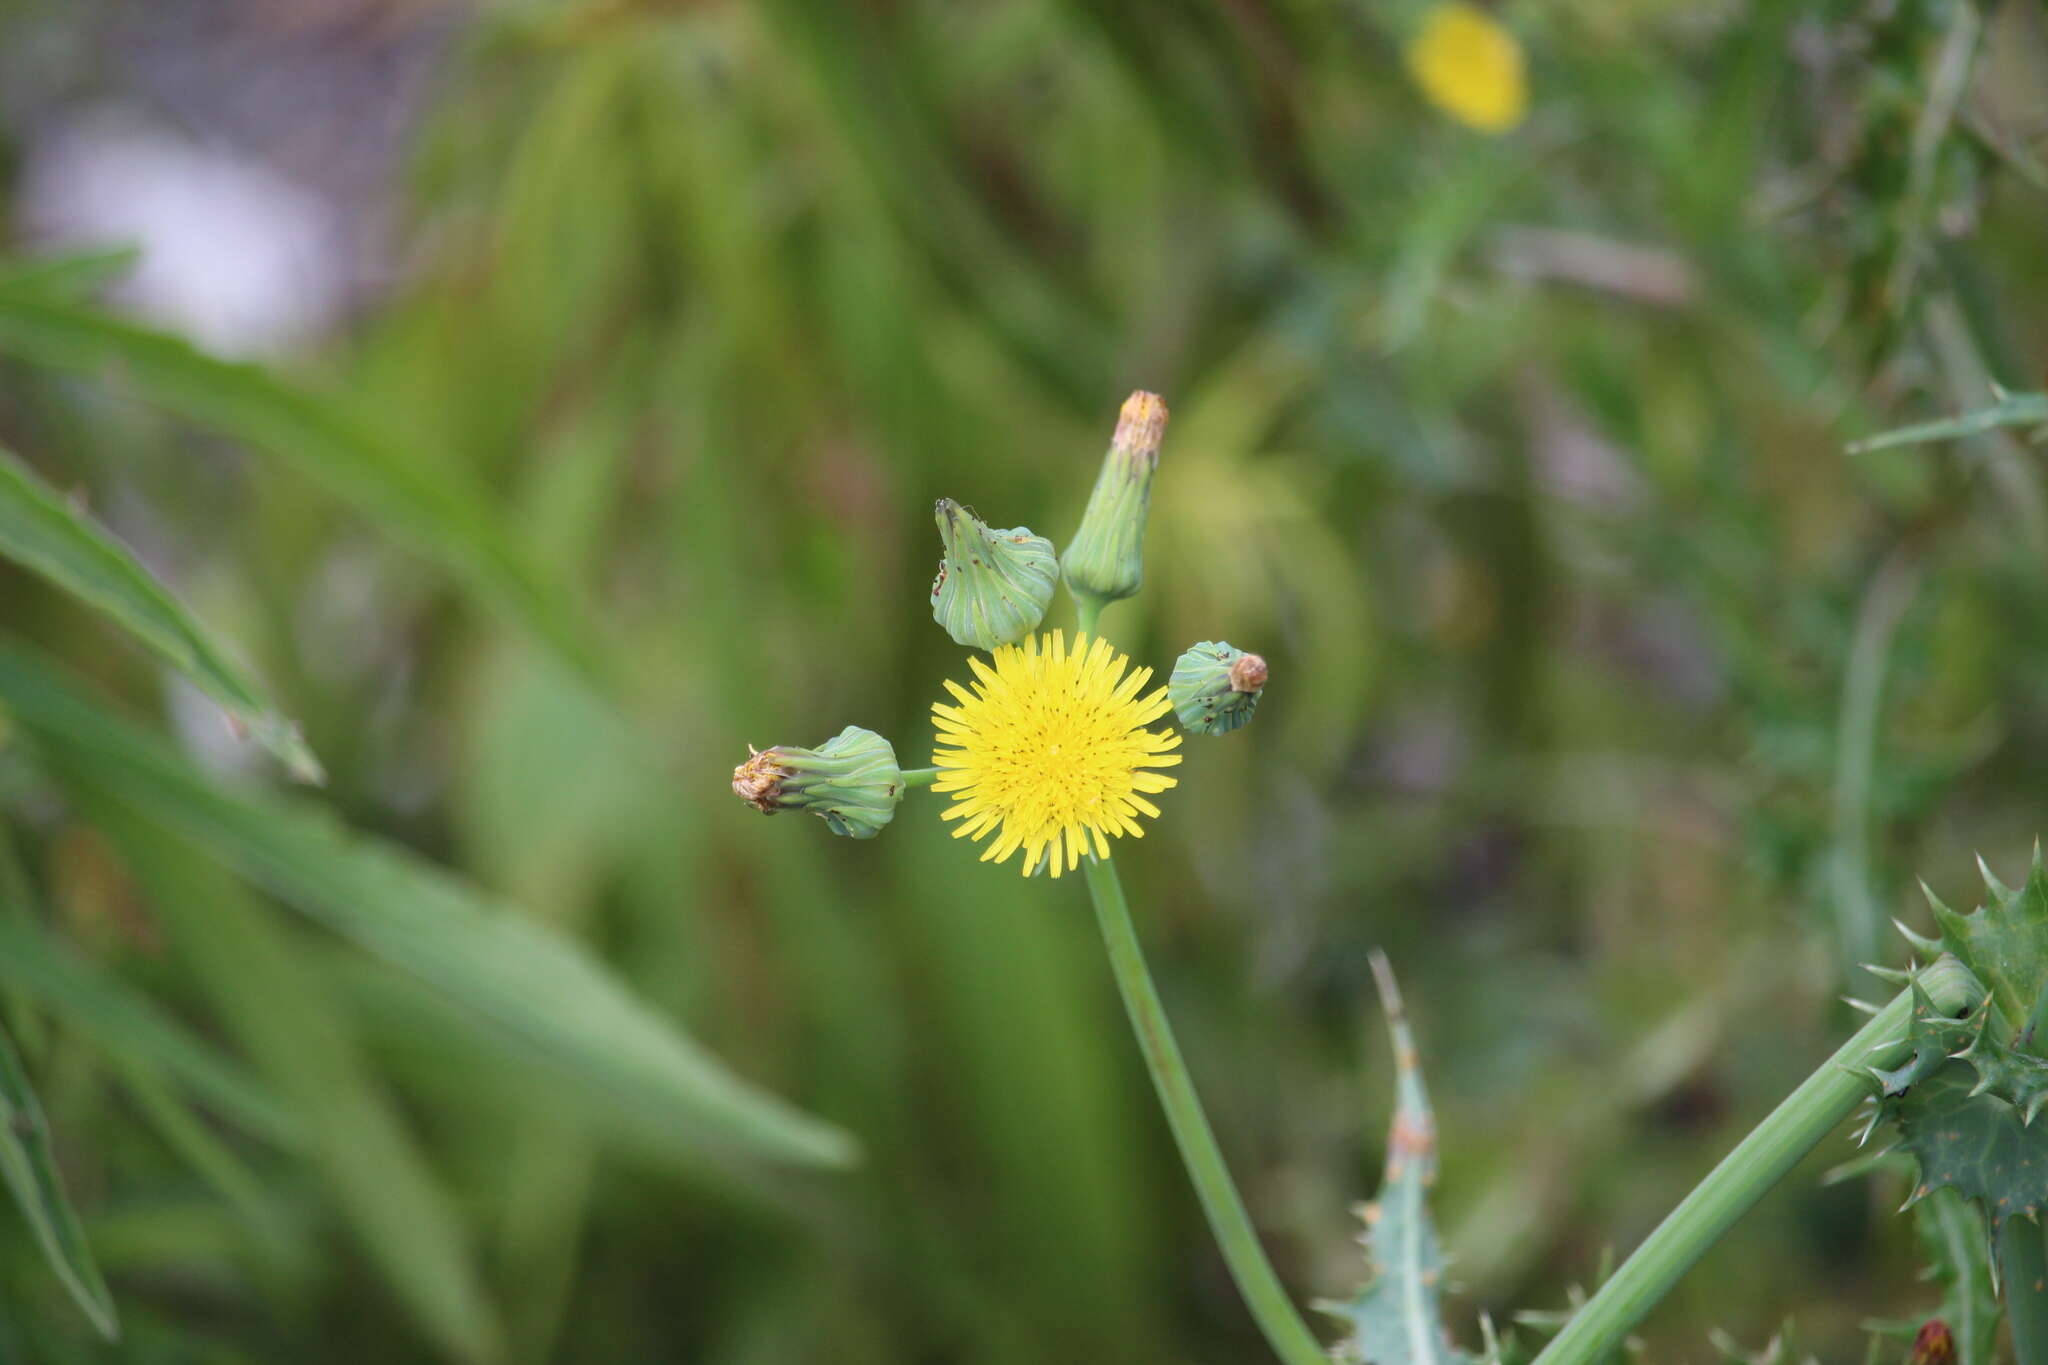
[(1470, 67), (1050, 746)]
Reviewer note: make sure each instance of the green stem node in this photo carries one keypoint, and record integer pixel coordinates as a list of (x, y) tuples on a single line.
[(1274, 1311), (1758, 1162)]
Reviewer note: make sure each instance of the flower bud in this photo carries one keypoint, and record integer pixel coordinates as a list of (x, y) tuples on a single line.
[(851, 780), (993, 586), (1105, 560), (1215, 687), (1935, 1345)]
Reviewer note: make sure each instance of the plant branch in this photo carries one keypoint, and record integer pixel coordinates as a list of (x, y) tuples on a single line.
[(1289, 1337), (1746, 1174)]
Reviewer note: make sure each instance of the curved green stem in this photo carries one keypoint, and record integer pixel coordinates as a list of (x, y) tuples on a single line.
[(1758, 1162), (1275, 1312)]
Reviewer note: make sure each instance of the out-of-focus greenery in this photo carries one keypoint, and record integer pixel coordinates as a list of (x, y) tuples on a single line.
[(1610, 696)]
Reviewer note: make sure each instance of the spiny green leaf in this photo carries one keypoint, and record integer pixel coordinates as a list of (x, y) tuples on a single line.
[(540, 989), (1397, 1318), (1964, 1104), (2006, 941), (31, 1175), (1973, 1141), (44, 533)]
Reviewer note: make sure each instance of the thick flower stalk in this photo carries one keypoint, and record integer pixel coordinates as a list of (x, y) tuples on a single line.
[(1049, 751)]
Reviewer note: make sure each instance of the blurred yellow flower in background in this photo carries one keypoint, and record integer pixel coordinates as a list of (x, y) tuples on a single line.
[(1470, 67)]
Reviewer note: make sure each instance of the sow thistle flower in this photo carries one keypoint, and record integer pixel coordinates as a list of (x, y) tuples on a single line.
[(1050, 751)]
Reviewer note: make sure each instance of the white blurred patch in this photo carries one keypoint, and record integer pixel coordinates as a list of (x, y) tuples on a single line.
[(206, 734), (235, 256)]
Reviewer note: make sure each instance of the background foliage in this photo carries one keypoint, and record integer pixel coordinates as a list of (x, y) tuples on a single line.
[(1610, 696)]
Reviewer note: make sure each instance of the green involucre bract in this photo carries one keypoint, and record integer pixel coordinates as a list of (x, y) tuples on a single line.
[(993, 586)]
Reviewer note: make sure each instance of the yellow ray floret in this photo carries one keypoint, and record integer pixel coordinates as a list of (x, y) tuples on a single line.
[(1051, 749)]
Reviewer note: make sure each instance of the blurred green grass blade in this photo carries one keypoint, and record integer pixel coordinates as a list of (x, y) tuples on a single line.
[(540, 988), (44, 533), (2011, 410), (448, 522), (71, 274), (31, 1175), (125, 1022), (275, 1005)]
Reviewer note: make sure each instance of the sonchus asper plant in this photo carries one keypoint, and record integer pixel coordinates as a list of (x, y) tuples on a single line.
[(1054, 747)]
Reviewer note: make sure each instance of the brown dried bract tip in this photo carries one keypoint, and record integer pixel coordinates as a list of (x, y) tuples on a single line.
[(1247, 673), (1141, 426), (758, 781), (1935, 1345)]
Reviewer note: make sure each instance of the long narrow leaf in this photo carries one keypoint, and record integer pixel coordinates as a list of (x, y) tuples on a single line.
[(449, 523), (2011, 410), (540, 988), (268, 997), (31, 1175), (128, 1023), (69, 275), (41, 531)]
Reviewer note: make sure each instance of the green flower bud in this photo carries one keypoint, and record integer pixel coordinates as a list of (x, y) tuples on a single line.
[(1215, 687), (993, 586), (1105, 560), (851, 780)]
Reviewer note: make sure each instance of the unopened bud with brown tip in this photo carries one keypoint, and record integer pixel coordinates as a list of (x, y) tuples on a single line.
[(1934, 1345), (758, 781), (1105, 560), (851, 780), (1215, 687)]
